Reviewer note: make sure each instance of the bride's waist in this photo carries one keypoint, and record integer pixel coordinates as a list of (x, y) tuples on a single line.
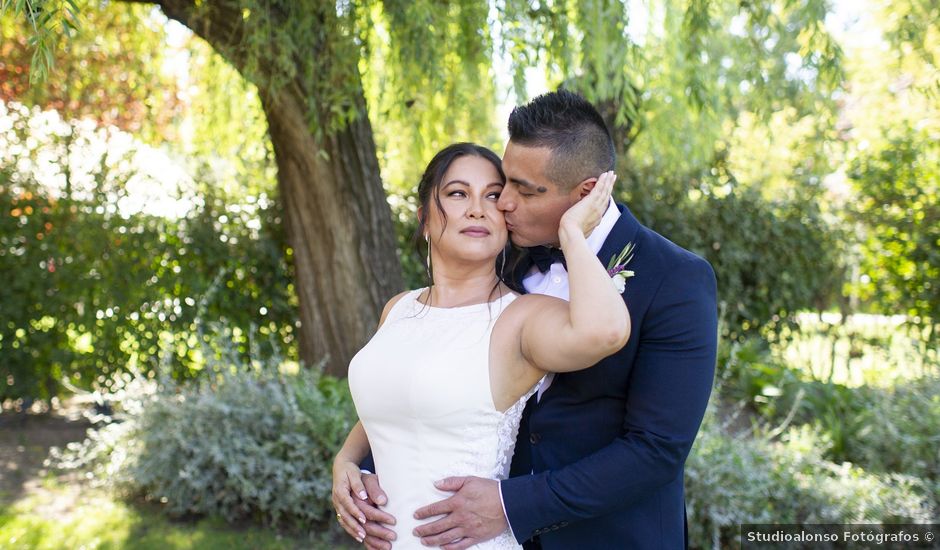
[(407, 492), (414, 468)]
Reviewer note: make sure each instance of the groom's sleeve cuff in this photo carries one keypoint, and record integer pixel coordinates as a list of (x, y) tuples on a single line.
[(503, 504)]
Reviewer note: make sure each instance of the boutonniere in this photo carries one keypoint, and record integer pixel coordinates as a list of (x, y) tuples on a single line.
[(617, 267)]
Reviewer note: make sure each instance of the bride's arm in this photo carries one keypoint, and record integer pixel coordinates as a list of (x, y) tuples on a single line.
[(356, 446), (559, 336)]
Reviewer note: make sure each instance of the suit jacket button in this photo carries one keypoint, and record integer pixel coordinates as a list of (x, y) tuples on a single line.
[(534, 438)]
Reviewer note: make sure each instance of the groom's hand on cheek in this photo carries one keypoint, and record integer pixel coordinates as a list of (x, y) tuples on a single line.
[(474, 514)]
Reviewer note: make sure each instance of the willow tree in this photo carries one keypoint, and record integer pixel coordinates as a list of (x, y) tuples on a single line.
[(672, 75), (425, 66), (305, 58)]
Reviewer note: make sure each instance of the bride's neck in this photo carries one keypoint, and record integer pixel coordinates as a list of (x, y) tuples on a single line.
[(454, 288)]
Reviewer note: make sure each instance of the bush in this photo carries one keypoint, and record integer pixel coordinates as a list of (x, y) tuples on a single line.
[(897, 431), (885, 430), (732, 480), (243, 444), (91, 288), (898, 207), (771, 259)]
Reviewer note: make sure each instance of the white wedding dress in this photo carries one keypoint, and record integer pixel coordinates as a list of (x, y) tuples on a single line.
[(422, 391)]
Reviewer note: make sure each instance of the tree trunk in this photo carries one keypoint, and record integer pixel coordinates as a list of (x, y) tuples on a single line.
[(340, 228), (338, 222)]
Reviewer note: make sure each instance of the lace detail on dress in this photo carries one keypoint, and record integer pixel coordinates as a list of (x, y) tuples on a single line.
[(507, 431), (505, 541)]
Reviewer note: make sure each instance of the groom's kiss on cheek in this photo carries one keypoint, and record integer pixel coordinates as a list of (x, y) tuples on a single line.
[(532, 203)]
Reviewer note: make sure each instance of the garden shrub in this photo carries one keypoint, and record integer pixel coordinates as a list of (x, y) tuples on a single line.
[(899, 430), (241, 444), (754, 478), (90, 289), (898, 209), (258, 443), (771, 258), (885, 430)]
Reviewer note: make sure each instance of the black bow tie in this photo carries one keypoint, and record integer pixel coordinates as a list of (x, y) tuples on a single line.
[(544, 257)]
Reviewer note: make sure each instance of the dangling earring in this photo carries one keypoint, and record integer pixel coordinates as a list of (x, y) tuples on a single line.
[(502, 266), (428, 260)]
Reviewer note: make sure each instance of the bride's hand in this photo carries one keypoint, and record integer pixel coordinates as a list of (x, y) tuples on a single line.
[(587, 213), (347, 480)]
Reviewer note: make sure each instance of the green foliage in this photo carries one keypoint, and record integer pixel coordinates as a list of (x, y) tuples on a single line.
[(415, 61), (911, 25), (318, 46), (306, 43), (413, 265), (229, 130), (897, 431), (784, 154), (771, 259), (95, 290), (892, 165), (886, 430), (816, 452), (899, 209), (428, 80), (674, 76), (245, 443), (860, 349), (49, 20), (732, 480)]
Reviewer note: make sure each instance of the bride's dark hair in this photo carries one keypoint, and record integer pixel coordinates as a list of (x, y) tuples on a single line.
[(431, 182)]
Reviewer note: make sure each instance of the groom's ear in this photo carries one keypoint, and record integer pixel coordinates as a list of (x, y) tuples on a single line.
[(585, 187)]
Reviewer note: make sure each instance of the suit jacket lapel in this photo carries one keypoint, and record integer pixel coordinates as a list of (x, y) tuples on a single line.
[(623, 232)]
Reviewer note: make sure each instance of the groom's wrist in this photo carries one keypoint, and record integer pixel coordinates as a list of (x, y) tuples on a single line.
[(503, 504)]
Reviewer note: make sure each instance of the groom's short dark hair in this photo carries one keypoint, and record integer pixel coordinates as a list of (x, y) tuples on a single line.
[(572, 128)]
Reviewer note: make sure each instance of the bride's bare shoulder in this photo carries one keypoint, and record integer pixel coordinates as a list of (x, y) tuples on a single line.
[(390, 304)]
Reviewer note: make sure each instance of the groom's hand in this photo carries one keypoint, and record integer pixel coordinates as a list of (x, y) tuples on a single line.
[(473, 515)]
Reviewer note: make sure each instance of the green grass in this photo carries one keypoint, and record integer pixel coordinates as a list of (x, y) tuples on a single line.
[(58, 516)]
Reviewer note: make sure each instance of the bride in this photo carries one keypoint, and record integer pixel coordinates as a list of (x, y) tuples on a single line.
[(440, 388)]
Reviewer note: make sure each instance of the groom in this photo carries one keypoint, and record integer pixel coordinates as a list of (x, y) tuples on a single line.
[(600, 454)]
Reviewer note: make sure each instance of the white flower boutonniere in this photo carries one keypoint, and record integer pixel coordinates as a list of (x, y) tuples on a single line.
[(617, 268)]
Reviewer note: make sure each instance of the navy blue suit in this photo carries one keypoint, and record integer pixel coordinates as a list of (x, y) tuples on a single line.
[(599, 459)]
